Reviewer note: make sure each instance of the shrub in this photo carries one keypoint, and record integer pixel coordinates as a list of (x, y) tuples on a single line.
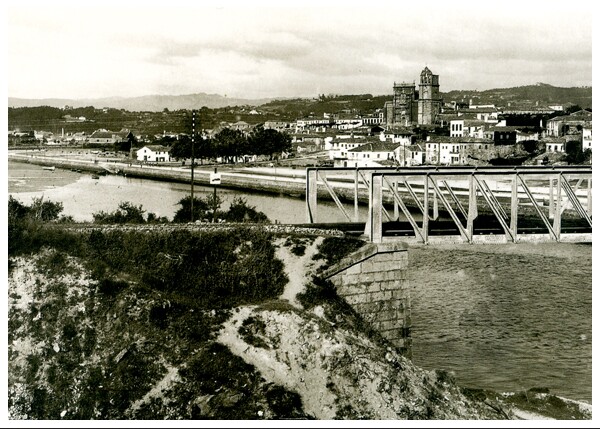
[(333, 249), (240, 211), (126, 213), (184, 213)]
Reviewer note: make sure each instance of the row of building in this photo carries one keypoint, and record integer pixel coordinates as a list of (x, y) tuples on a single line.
[(415, 127)]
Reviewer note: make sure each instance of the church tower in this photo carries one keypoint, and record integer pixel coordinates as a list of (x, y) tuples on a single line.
[(403, 104), (430, 102)]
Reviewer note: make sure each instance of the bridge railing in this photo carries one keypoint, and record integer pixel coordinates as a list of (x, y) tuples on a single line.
[(418, 194)]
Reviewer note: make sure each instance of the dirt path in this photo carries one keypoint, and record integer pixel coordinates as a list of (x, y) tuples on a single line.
[(299, 269)]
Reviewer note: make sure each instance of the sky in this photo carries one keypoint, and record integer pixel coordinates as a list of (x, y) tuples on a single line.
[(256, 49)]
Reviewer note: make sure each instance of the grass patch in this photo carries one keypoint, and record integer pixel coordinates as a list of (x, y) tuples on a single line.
[(252, 331), (298, 244), (334, 249)]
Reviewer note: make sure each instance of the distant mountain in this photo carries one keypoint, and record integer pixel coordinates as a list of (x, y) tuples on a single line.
[(152, 103), (542, 93)]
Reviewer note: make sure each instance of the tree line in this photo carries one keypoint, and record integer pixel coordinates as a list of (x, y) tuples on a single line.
[(230, 144)]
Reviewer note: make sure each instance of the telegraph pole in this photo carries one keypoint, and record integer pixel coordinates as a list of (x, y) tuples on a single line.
[(192, 181)]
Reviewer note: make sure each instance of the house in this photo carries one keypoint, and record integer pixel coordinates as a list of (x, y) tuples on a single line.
[(504, 135), (277, 125), (555, 144), (373, 154), (413, 154), (401, 135), (465, 127), (240, 126), (103, 136), (372, 120), (586, 138), (347, 123), (523, 135), (316, 124), (154, 153), (307, 142), (445, 150), (568, 124), (340, 145), (486, 113)]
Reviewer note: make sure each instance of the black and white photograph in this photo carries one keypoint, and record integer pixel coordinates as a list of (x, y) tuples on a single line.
[(298, 214)]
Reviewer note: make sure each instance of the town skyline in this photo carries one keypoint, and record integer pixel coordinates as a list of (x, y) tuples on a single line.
[(65, 50)]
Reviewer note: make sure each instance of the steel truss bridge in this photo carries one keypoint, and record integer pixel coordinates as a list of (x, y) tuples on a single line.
[(459, 204)]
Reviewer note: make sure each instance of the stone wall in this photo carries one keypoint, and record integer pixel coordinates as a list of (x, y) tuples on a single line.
[(374, 281)]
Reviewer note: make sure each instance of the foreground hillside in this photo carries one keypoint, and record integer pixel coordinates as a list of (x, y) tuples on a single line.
[(213, 325)]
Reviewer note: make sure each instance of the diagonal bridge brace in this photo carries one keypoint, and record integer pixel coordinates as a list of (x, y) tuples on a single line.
[(407, 214), (537, 207), (574, 200), (441, 196), (495, 206)]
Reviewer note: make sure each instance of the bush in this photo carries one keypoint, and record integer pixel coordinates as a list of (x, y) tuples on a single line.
[(126, 213), (184, 214), (240, 211), (333, 249), (25, 224)]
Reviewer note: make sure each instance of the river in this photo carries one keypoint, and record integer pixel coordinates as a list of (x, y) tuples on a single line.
[(81, 195), (504, 317)]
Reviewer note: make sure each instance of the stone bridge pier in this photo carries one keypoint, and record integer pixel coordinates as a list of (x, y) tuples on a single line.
[(374, 282)]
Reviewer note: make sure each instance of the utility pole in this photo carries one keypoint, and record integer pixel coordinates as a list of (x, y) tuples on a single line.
[(192, 181), (215, 199)]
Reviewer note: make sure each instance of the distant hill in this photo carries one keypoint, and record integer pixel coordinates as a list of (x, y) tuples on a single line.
[(151, 103), (542, 93)]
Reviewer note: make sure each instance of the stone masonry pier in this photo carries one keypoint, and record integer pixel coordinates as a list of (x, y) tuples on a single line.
[(373, 280)]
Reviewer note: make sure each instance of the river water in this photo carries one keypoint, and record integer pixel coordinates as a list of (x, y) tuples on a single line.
[(504, 317), (81, 195)]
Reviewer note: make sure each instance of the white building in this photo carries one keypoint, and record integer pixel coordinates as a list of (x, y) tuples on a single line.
[(410, 155), (154, 153), (373, 154), (555, 145), (453, 150), (400, 135), (339, 147), (463, 127), (586, 139)]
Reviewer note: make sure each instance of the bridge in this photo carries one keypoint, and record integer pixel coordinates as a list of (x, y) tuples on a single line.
[(430, 204)]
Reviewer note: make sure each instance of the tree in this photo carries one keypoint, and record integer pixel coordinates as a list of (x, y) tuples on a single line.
[(213, 201), (182, 148), (45, 210), (572, 109), (574, 152), (268, 142), (230, 143)]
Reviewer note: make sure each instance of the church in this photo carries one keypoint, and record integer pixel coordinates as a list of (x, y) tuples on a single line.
[(410, 106)]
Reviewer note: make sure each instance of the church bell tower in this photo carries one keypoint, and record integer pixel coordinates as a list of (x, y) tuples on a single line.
[(430, 102)]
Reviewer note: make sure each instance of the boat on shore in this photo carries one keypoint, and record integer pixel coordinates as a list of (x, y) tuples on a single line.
[(95, 176), (49, 168)]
